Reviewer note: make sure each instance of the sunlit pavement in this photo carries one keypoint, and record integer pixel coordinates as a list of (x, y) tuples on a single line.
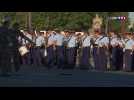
[(42, 77)]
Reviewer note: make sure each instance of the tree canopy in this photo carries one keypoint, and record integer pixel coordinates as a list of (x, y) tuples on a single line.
[(64, 20)]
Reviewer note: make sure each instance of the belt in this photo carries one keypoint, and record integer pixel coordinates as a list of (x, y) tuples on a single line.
[(100, 47), (70, 47), (95, 46), (128, 49), (59, 45), (37, 47), (86, 47)]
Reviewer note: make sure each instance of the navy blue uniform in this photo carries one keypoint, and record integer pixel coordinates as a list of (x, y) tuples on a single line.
[(84, 62), (59, 50), (128, 54), (117, 53), (37, 59), (51, 50), (71, 51), (100, 53)]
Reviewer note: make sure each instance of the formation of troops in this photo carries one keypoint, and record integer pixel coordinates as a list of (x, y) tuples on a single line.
[(65, 50)]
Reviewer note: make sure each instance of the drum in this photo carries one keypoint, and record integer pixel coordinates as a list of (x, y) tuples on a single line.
[(23, 50)]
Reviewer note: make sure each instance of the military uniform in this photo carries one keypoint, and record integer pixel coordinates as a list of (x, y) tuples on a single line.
[(65, 50), (50, 49), (17, 38), (59, 49), (84, 62), (71, 51), (128, 54), (100, 53), (39, 41), (117, 53), (26, 59), (120, 54)]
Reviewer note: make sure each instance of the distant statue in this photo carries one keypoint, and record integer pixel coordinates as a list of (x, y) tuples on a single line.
[(131, 27), (97, 22)]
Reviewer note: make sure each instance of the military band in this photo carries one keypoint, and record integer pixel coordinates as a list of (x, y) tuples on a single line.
[(66, 50)]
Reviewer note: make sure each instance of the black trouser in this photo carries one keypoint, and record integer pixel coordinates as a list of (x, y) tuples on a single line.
[(50, 56), (71, 57), (5, 60), (117, 58), (60, 56), (16, 59), (128, 60), (100, 58), (65, 55), (84, 62), (133, 61)]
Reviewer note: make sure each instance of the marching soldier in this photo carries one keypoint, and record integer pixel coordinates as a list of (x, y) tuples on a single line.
[(116, 51), (128, 52), (51, 48), (40, 43), (26, 59), (133, 54), (15, 34), (84, 62), (59, 48), (71, 49), (65, 42), (119, 53), (100, 51), (78, 47)]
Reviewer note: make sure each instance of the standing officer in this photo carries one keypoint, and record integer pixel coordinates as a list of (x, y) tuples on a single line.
[(40, 42), (133, 54), (128, 52), (100, 51), (66, 38), (84, 62), (59, 48), (50, 48), (119, 53), (5, 41), (71, 49), (116, 51), (113, 48)]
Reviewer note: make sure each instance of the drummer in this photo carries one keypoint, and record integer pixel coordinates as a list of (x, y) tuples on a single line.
[(26, 59)]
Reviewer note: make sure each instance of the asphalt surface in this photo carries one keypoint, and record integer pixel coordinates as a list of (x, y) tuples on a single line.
[(42, 77)]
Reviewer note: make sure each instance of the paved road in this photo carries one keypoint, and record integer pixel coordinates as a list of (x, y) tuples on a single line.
[(41, 77)]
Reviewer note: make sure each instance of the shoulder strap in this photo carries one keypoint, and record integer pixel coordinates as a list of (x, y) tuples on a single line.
[(84, 38), (96, 39), (127, 40), (69, 39), (101, 38)]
